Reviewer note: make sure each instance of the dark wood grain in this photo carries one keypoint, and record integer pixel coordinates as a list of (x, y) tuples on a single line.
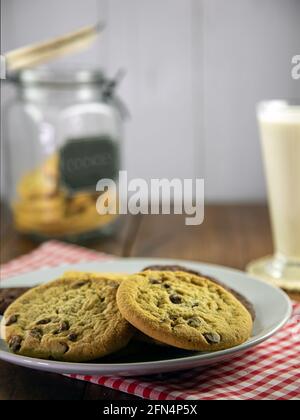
[(18, 383), (231, 235)]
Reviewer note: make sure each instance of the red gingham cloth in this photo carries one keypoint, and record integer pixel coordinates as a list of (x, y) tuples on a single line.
[(271, 371)]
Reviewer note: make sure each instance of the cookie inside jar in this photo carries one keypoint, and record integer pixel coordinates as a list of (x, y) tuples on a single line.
[(44, 208)]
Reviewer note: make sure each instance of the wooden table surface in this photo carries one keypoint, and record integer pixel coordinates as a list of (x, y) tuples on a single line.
[(231, 235)]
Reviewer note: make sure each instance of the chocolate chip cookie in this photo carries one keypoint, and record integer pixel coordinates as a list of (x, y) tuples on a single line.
[(74, 319), (8, 296), (244, 301), (184, 310)]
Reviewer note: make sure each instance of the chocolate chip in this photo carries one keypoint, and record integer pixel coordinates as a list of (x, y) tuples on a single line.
[(44, 321), (12, 320), (63, 348), (212, 338), (175, 299), (36, 333), (80, 284), (15, 343), (64, 326), (72, 337), (195, 304), (155, 281), (167, 286), (194, 322)]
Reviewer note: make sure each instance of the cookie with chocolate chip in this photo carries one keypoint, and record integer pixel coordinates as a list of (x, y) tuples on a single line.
[(8, 296), (73, 319), (184, 310), (244, 301)]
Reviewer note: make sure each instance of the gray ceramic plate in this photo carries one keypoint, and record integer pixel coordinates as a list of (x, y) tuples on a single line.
[(273, 309)]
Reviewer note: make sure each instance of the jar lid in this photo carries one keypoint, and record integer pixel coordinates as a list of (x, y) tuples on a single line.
[(58, 77)]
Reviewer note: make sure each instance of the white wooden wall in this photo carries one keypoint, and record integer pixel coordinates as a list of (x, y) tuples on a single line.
[(195, 69)]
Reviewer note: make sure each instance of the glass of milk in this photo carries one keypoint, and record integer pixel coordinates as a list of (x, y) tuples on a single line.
[(279, 123)]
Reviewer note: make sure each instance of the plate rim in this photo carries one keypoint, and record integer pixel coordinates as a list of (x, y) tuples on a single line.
[(70, 367)]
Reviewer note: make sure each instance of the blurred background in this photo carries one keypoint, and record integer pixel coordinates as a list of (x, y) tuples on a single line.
[(194, 71)]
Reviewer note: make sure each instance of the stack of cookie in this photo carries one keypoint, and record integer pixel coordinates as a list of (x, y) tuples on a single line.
[(83, 316), (43, 207)]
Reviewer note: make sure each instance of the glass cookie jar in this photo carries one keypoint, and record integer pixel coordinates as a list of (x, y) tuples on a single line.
[(63, 135)]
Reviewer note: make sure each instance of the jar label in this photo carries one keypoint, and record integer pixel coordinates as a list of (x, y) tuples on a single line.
[(85, 161)]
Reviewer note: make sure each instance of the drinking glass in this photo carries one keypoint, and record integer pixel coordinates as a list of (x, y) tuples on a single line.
[(279, 123)]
